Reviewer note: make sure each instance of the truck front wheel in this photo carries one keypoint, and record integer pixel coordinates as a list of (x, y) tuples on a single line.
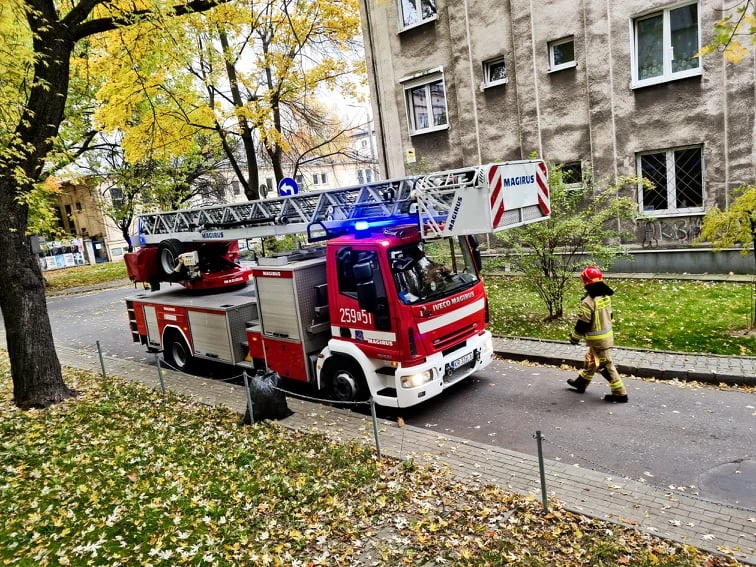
[(347, 382), (176, 352)]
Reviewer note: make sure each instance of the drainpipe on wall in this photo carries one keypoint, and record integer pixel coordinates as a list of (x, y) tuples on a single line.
[(379, 122), (472, 84)]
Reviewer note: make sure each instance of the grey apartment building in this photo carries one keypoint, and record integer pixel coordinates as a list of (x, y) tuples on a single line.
[(606, 86)]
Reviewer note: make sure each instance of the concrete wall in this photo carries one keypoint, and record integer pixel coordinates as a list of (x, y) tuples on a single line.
[(589, 113), (687, 261)]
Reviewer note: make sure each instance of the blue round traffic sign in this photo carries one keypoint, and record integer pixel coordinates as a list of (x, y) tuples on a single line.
[(287, 186)]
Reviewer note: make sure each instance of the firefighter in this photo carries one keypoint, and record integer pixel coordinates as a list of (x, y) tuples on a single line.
[(595, 325)]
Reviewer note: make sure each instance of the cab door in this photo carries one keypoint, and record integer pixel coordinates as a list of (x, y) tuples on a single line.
[(363, 312)]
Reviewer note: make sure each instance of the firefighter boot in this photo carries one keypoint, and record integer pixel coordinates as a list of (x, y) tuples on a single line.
[(579, 383), (605, 373), (618, 398)]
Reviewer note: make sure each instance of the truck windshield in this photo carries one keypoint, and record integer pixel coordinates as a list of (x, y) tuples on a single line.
[(428, 271)]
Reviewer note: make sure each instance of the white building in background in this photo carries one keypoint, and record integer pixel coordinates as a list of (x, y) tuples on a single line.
[(357, 165)]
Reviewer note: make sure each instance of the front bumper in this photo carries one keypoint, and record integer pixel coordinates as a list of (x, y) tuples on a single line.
[(445, 371)]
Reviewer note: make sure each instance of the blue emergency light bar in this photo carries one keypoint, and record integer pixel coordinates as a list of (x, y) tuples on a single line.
[(325, 230)]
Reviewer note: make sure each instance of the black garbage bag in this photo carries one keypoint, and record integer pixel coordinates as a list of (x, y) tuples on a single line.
[(268, 401)]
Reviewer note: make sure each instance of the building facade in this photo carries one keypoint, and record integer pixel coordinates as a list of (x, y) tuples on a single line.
[(91, 236), (596, 85)]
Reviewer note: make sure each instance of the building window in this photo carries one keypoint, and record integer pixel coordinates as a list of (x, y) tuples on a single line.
[(677, 176), (300, 180), (360, 177), (236, 188), (416, 12), (572, 173), (495, 72), (323, 178), (426, 104), (562, 54), (315, 178), (665, 46), (116, 197), (368, 176)]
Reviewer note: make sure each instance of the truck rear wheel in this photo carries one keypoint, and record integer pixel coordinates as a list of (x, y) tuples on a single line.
[(168, 253), (176, 352), (347, 382)]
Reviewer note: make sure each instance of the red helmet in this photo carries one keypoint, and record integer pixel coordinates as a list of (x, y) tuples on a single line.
[(591, 275)]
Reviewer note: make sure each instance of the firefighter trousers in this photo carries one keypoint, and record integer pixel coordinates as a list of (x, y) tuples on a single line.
[(599, 360)]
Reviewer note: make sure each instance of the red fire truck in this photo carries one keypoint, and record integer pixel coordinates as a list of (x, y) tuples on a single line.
[(385, 309)]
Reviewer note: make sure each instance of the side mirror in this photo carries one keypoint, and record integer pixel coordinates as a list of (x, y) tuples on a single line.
[(367, 296), (363, 272)]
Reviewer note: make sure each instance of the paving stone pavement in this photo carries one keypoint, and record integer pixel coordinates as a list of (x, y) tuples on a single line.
[(681, 517), (664, 365)]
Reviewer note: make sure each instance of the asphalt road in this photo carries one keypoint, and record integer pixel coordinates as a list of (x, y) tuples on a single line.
[(698, 440)]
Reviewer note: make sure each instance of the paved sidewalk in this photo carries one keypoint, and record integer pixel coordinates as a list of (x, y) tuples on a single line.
[(669, 514), (664, 365)]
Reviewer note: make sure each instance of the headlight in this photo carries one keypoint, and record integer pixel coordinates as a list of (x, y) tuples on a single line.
[(415, 380), (488, 345)]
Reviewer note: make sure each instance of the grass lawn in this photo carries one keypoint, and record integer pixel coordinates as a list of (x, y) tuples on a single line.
[(66, 278), (677, 315), (123, 476)]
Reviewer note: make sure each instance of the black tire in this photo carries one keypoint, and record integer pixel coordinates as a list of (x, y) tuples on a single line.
[(176, 352), (346, 381), (168, 253)]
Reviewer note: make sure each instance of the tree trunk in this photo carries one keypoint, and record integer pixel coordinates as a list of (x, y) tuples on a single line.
[(252, 189), (37, 377), (35, 369)]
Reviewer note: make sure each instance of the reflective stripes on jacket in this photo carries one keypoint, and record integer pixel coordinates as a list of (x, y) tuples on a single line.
[(597, 312)]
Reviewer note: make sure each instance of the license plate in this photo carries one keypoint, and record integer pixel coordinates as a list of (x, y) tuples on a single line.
[(461, 361)]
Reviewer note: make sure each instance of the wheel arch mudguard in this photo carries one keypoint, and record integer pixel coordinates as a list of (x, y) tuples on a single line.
[(344, 349), (170, 328)]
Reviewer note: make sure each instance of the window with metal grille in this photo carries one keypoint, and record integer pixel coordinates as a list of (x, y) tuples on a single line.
[(677, 177), (572, 173)]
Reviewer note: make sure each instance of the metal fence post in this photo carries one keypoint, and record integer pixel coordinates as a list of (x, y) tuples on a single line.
[(160, 373), (375, 427), (544, 500), (250, 407), (102, 362)]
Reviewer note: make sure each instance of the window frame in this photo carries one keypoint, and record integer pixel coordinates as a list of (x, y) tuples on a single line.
[(553, 67), (426, 79), (420, 22), (672, 210), (487, 65), (667, 48), (570, 166)]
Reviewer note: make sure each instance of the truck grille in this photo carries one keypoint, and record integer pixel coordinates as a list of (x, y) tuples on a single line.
[(449, 340)]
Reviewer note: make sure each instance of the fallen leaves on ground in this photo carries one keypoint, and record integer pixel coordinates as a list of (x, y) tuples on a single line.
[(123, 476)]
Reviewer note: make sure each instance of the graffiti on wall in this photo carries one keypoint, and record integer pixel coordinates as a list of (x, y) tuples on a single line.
[(659, 232)]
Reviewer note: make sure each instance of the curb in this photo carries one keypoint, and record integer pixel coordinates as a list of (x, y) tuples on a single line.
[(662, 365)]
